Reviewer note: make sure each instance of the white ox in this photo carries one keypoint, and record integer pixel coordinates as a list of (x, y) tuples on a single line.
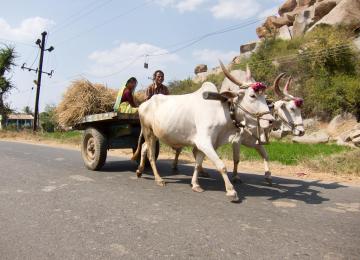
[(191, 120), (288, 120)]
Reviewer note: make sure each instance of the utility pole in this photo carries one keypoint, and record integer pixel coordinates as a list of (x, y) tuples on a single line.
[(41, 43)]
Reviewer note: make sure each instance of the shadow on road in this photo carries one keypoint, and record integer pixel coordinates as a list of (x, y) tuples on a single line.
[(253, 185)]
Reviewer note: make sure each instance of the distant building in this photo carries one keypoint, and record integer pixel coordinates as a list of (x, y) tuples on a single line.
[(20, 121)]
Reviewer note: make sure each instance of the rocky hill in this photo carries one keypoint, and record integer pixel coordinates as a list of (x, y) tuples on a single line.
[(296, 17)]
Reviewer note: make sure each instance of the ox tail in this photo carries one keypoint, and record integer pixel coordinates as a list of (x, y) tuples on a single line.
[(138, 148)]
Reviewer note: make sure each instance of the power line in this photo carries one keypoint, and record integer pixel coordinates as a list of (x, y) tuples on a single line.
[(18, 42), (108, 21), (189, 44), (83, 15), (75, 14)]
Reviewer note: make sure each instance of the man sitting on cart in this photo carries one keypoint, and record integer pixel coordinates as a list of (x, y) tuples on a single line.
[(125, 98), (157, 86)]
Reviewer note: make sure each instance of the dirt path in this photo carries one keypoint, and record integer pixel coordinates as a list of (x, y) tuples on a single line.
[(254, 167)]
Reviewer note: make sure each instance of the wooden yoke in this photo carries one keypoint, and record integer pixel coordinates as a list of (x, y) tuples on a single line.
[(214, 96)]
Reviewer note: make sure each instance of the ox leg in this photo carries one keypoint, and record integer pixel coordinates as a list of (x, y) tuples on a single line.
[(176, 160), (141, 167), (199, 157), (261, 150), (151, 142), (201, 171), (236, 159), (210, 152)]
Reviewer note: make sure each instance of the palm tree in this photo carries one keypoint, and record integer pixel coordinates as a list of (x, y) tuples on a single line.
[(7, 58)]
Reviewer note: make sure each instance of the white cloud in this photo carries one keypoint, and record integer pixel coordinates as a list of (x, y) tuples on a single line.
[(182, 5), (28, 29), (129, 56), (235, 9), (189, 5), (211, 57)]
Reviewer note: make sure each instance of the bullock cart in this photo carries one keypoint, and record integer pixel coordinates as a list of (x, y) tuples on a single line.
[(105, 131)]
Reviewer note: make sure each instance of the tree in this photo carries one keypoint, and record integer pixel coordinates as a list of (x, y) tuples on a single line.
[(7, 58), (27, 110), (47, 119)]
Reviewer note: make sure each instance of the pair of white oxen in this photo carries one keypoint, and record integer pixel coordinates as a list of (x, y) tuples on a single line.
[(239, 114)]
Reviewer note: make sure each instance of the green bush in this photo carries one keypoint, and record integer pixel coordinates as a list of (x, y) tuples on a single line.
[(47, 119)]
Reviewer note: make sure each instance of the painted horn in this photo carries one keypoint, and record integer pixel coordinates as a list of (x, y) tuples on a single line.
[(276, 85), (286, 89), (231, 77)]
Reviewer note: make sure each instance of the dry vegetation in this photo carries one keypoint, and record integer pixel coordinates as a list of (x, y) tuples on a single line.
[(84, 98)]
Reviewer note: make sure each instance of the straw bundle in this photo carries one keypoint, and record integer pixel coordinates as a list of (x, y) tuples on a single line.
[(84, 98)]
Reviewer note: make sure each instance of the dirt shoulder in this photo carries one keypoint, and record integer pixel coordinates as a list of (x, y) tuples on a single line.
[(300, 172)]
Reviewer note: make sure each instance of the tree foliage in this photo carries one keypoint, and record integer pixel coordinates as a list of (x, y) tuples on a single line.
[(48, 119), (7, 59)]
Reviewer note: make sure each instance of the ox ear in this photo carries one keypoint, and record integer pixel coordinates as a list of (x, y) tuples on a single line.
[(229, 95)]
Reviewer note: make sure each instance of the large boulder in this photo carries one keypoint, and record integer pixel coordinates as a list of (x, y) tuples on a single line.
[(288, 6), (350, 137), (249, 47), (302, 22), (341, 123), (305, 2), (357, 43), (269, 23), (262, 32), (285, 33), (200, 68), (345, 12), (278, 22), (322, 9), (313, 138), (356, 141)]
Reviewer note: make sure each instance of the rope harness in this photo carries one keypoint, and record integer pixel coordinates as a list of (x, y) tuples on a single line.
[(256, 116), (289, 124)]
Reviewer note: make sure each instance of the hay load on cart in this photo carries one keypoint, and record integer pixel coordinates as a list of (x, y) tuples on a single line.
[(89, 107)]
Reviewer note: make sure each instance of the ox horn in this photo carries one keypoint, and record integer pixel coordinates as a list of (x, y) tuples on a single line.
[(286, 89), (276, 85), (231, 77)]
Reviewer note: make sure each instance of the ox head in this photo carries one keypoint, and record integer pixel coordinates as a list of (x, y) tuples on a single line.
[(250, 103), (287, 111)]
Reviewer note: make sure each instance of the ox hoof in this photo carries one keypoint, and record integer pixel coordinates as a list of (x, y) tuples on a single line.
[(269, 181), (237, 180), (204, 174), (161, 183), (138, 174), (232, 195), (197, 189)]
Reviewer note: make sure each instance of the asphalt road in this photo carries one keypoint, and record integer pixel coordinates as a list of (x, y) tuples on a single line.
[(51, 207)]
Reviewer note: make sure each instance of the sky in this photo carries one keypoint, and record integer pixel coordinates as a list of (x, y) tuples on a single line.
[(108, 41)]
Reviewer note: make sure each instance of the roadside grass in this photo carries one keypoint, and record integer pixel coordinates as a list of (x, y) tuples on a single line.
[(346, 163), (71, 137), (283, 152), (66, 137)]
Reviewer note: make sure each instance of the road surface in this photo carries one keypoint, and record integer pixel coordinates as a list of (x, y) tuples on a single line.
[(51, 207)]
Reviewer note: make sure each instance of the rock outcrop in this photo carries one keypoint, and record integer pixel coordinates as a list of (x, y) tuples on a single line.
[(296, 17), (200, 68)]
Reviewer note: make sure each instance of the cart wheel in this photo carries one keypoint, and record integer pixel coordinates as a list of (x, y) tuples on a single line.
[(157, 152), (94, 149)]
